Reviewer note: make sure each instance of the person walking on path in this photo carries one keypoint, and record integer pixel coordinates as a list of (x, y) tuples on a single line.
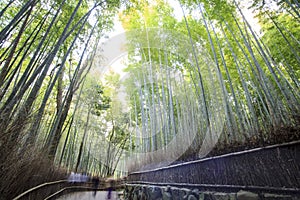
[(95, 181), (110, 189)]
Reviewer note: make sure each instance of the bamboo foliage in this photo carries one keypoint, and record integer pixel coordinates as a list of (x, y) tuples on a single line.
[(206, 80), (46, 52), (231, 84)]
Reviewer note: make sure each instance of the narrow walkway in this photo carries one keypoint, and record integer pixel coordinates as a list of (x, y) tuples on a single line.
[(101, 195)]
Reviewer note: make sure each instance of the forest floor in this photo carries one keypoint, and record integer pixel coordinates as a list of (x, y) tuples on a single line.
[(279, 136)]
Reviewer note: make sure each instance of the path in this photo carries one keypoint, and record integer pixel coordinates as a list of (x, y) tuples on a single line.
[(101, 195)]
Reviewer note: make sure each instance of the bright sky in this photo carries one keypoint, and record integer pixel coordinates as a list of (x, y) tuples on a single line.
[(118, 26), (114, 53), (178, 14)]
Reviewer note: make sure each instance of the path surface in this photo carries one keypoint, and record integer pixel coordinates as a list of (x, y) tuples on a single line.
[(88, 196)]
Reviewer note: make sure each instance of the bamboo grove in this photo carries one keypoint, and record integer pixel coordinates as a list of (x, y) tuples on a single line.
[(46, 51), (202, 81), (210, 83)]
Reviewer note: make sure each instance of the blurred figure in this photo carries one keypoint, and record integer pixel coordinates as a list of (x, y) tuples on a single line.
[(71, 178), (84, 178), (95, 181), (110, 188)]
